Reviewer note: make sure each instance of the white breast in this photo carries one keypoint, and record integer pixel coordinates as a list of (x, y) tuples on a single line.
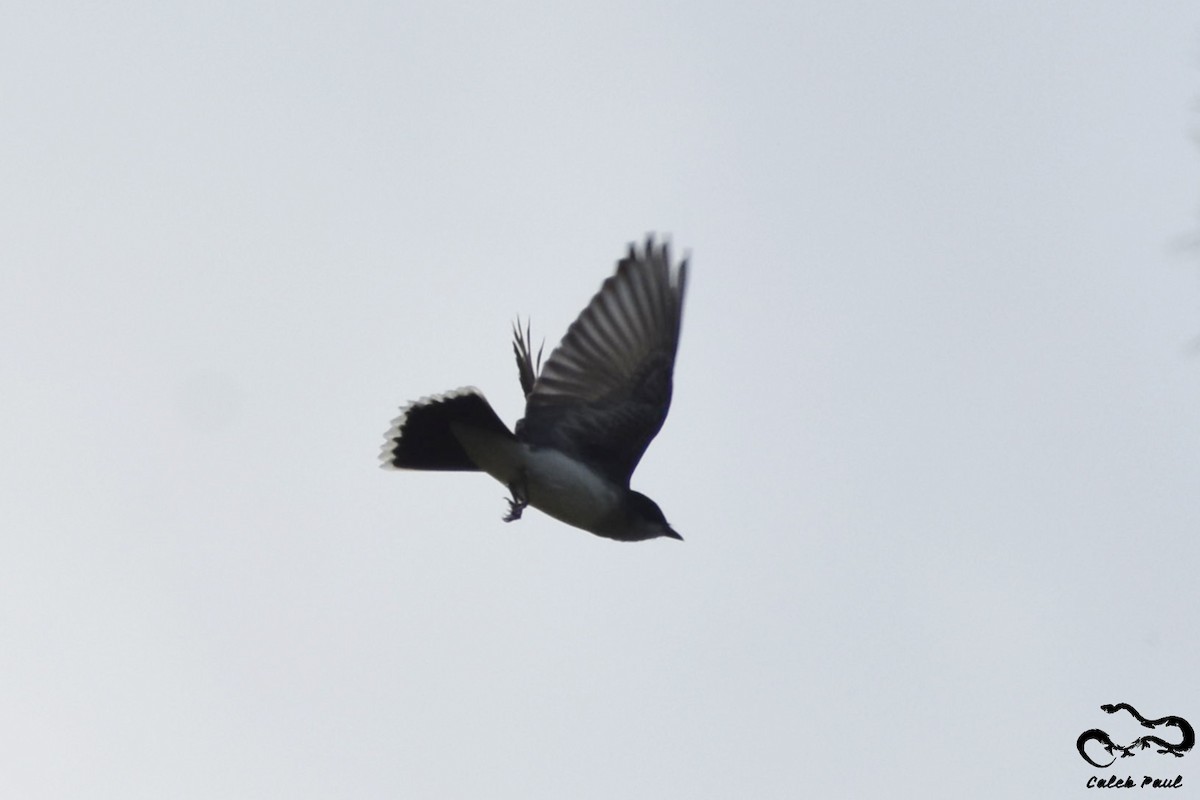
[(568, 490)]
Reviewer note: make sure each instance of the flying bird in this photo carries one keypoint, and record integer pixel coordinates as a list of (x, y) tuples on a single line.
[(590, 412)]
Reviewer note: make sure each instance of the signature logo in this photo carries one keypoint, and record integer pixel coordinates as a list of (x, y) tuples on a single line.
[(1187, 737)]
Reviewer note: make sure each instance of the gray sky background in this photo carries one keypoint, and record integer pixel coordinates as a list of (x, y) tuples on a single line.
[(935, 446)]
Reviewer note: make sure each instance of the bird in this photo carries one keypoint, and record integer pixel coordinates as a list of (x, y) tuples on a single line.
[(590, 411)]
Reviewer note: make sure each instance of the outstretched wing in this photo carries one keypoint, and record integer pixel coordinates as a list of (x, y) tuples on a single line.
[(605, 390)]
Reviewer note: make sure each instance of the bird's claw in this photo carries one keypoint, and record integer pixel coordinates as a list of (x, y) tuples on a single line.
[(516, 503)]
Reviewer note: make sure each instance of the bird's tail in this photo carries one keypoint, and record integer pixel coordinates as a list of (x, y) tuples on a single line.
[(423, 436)]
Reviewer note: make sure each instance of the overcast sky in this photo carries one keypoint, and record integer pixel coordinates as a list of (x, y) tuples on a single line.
[(934, 449)]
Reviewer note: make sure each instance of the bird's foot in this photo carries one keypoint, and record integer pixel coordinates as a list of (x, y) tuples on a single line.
[(515, 507), (516, 503)]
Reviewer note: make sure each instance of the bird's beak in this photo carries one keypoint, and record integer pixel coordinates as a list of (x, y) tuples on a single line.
[(672, 534)]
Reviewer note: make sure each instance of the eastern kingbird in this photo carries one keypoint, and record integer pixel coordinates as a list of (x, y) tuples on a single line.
[(589, 415)]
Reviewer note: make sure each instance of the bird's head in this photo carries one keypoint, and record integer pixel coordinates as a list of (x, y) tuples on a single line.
[(646, 520)]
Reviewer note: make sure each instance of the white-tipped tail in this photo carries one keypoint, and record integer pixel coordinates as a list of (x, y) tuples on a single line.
[(423, 436)]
